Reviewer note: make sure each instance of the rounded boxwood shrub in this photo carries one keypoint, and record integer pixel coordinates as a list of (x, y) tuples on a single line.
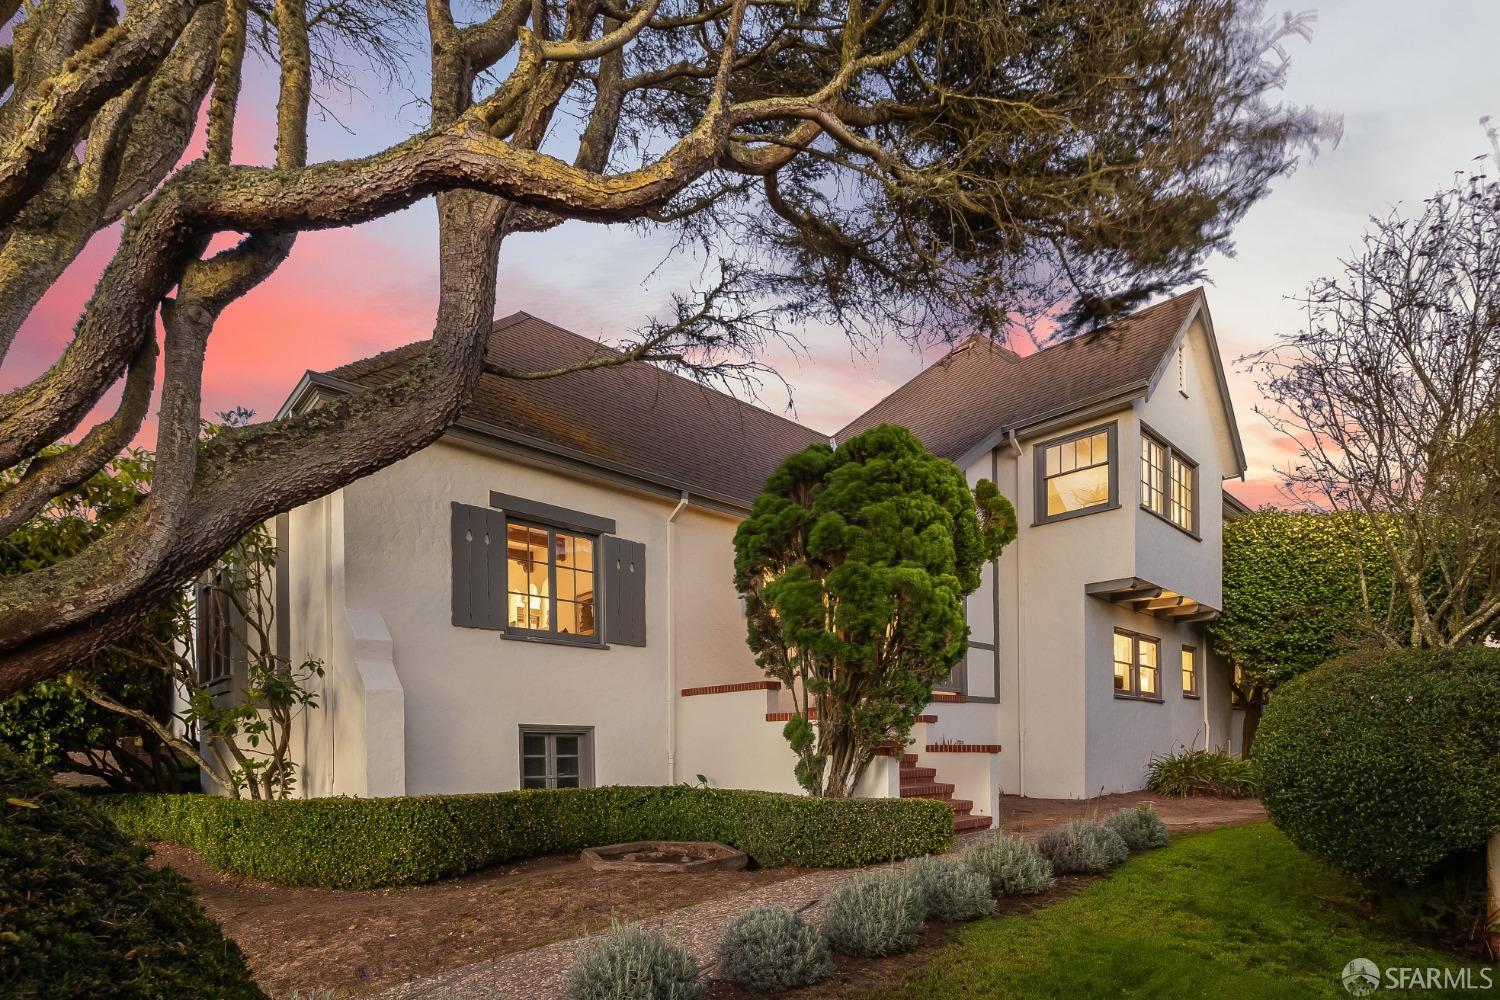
[(1386, 763), (1082, 847), (83, 915), (771, 948), (1138, 826), (950, 891), (1012, 866), (346, 843), (632, 963), (873, 914)]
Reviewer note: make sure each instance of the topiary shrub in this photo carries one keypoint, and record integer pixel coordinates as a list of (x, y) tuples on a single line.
[(345, 843), (1139, 827), (950, 891), (1201, 772), (1082, 847), (877, 913), (83, 915), (1012, 866), (1385, 764), (632, 963), (770, 948)]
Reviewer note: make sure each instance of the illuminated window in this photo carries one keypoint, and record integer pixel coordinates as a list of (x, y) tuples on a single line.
[(549, 581), (1169, 480), (1075, 475), (1183, 476), (1189, 672), (1137, 664), (1153, 475)]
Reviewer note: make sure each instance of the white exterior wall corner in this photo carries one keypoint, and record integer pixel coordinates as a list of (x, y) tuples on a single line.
[(1123, 735)]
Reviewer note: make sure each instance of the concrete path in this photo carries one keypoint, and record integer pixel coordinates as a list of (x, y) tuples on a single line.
[(541, 973)]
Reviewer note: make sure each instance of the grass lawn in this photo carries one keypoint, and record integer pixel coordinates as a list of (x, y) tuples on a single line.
[(1237, 913)]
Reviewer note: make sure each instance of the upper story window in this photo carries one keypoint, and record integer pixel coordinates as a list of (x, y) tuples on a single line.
[(1076, 474), (550, 577), (1169, 482), (1137, 666)]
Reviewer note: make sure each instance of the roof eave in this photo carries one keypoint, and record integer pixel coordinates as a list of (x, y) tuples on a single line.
[(1200, 306)]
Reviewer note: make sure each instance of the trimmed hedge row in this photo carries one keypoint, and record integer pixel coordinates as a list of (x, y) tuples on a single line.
[(349, 843)]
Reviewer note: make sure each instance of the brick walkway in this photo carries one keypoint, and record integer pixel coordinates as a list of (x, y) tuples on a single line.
[(543, 972)]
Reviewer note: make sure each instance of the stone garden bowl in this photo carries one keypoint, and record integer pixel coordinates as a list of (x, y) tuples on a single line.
[(665, 856)]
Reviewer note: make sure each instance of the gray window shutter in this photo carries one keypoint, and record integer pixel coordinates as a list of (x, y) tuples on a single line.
[(624, 591), (478, 567)]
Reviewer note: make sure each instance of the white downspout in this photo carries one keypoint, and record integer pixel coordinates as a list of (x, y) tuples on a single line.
[(1207, 732), (1020, 633), (672, 646)]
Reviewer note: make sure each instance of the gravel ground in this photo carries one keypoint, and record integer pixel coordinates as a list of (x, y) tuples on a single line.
[(542, 973)]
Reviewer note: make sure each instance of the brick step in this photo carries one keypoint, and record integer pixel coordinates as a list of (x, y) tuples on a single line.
[(963, 824), (920, 774), (909, 760), (927, 718), (960, 806), (929, 790)]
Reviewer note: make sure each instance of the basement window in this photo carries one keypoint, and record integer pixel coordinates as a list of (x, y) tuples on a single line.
[(557, 757)]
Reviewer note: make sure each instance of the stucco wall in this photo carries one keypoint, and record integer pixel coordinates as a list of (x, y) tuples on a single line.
[(468, 691)]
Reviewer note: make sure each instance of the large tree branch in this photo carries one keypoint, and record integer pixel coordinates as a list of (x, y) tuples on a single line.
[(106, 67)]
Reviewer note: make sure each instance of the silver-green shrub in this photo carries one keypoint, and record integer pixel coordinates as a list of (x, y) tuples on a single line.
[(877, 913), (770, 948), (632, 963), (1138, 826), (950, 890), (1082, 847), (1013, 867)]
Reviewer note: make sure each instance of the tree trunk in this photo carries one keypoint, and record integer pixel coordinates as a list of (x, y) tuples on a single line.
[(1492, 932), (1252, 723)]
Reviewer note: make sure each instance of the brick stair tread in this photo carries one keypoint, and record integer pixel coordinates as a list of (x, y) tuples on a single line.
[(909, 760), (929, 790), (918, 774), (959, 805), (963, 824)]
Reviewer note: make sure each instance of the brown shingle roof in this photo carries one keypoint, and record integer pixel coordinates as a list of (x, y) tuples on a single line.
[(674, 432), (979, 388), (634, 417)]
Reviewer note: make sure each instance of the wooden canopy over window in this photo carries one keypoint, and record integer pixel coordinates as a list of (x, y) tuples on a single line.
[(1150, 599)]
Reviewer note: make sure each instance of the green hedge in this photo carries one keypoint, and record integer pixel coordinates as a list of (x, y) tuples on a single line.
[(367, 843), (1386, 764), (83, 915)]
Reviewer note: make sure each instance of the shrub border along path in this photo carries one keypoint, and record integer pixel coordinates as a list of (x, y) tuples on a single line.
[(343, 843), (541, 973)]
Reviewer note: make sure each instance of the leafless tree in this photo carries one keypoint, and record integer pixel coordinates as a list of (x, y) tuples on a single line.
[(1391, 397), (907, 165)]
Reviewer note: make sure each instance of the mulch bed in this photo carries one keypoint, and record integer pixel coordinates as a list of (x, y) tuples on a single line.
[(299, 938)]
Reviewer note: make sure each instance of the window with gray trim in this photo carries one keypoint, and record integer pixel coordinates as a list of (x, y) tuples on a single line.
[(1077, 474), (1189, 662), (1169, 483), (550, 581), (1137, 661), (557, 757)]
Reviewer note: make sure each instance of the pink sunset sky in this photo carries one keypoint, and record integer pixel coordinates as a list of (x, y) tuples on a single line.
[(1410, 80)]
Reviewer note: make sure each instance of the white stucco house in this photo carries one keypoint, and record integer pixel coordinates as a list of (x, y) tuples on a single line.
[(543, 597)]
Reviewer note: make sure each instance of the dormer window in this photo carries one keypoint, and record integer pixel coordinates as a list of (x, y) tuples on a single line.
[(1076, 474)]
